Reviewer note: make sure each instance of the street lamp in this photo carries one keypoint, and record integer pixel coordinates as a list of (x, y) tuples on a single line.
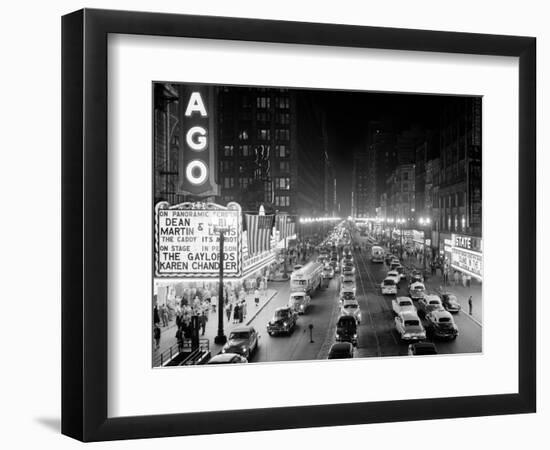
[(222, 226)]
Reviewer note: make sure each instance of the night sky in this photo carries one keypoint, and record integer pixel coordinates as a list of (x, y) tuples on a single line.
[(348, 114)]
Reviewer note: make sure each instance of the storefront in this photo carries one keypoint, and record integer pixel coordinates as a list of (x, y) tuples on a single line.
[(467, 255)]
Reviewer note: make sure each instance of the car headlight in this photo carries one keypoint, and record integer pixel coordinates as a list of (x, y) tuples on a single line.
[(285, 324), (407, 335), (243, 348), (223, 350)]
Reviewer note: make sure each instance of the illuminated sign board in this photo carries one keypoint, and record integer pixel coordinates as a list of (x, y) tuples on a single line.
[(467, 261), (467, 242), (187, 243), (197, 158)]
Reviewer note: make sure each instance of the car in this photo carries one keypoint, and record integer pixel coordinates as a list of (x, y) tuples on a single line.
[(328, 271), (440, 325), (401, 271), (350, 307), (388, 258), (227, 358), (394, 264), (417, 290), (347, 277), (395, 275), (348, 269), (341, 350), (429, 303), (450, 302), (402, 304), (409, 327), (283, 321), (416, 276), (388, 286), (242, 340), (299, 301), (347, 294), (422, 348), (348, 285), (346, 330)]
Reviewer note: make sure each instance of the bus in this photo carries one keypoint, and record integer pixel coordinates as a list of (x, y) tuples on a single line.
[(307, 278), (377, 254)]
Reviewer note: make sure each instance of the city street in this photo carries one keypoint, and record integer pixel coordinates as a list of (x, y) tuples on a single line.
[(376, 333)]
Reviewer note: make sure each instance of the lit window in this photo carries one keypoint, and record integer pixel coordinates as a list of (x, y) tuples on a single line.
[(264, 134), (243, 135)]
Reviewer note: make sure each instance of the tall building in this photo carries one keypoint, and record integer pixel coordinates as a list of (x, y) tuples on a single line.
[(272, 150), (360, 184), (166, 142), (459, 192), (401, 194)]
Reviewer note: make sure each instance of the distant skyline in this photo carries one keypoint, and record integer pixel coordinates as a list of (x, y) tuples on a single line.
[(348, 114)]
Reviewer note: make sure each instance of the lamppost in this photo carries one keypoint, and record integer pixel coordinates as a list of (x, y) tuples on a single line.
[(221, 226), (425, 223)]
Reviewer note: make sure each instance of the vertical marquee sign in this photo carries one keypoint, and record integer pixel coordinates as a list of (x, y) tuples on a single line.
[(187, 243), (197, 156)]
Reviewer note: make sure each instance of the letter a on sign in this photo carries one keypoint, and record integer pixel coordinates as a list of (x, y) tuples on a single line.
[(197, 133), (195, 104)]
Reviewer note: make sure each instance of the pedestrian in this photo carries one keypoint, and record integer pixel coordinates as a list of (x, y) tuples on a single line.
[(179, 338), (214, 302), (456, 276), (236, 313), (228, 310), (470, 305), (203, 318), (164, 315), (156, 336), (156, 317), (257, 297), (243, 310)]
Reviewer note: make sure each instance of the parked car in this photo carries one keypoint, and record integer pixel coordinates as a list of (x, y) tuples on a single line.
[(350, 307), (422, 348), (402, 304), (409, 327), (417, 290), (243, 341), (283, 321), (299, 302), (388, 286), (450, 302), (341, 350), (440, 325), (346, 330), (227, 358)]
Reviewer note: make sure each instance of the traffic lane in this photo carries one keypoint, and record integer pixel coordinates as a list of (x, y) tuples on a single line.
[(470, 333), (298, 345), (376, 334)]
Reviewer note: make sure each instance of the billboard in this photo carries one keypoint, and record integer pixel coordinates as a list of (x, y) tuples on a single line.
[(197, 156), (187, 242)]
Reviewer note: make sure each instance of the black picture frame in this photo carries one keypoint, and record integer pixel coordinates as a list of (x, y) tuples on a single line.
[(84, 224)]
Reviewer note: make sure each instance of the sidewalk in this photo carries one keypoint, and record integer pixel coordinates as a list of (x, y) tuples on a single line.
[(433, 283), (168, 334)]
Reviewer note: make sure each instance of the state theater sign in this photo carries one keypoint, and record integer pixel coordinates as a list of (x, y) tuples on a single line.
[(187, 240)]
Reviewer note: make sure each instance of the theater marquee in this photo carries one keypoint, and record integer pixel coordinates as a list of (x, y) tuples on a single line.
[(187, 244)]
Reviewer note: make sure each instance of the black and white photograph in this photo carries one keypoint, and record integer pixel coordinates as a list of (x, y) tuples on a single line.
[(309, 224)]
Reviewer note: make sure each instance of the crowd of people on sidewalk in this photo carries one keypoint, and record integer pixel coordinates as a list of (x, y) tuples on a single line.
[(201, 301)]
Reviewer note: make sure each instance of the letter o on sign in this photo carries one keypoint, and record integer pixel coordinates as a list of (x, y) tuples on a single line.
[(196, 172)]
